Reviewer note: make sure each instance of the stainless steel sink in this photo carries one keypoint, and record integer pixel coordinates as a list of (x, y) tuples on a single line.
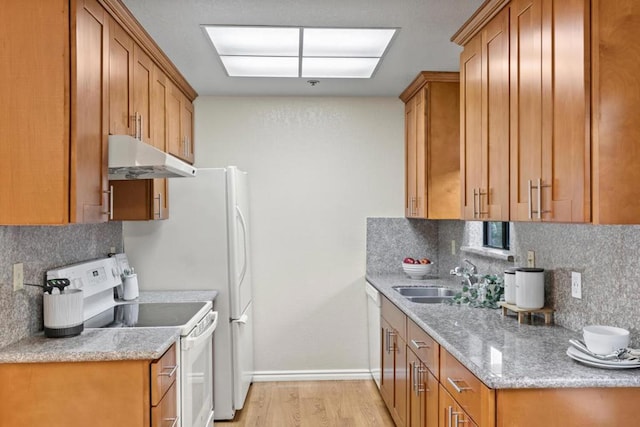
[(429, 294)]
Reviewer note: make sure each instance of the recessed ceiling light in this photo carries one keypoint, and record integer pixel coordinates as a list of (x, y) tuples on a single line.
[(300, 52)]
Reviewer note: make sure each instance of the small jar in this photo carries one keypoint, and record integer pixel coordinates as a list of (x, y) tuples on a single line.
[(530, 288), (510, 285)]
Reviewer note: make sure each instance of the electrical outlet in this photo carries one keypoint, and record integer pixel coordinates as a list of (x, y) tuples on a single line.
[(453, 247), (112, 250), (531, 259), (576, 285), (18, 276)]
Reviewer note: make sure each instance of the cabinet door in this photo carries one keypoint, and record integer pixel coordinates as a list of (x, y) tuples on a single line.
[(615, 112), (417, 391), (401, 383), (120, 81), (159, 99), (529, 84), (174, 134), (451, 415), (89, 139), (387, 339), (142, 83), (186, 124), (471, 126), (441, 140), (550, 160), (411, 158), (493, 192)]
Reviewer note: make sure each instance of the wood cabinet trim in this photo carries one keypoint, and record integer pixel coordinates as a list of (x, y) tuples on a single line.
[(477, 21), (125, 18), (425, 77)]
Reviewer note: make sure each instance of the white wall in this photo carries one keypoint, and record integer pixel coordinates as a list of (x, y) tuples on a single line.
[(318, 167)]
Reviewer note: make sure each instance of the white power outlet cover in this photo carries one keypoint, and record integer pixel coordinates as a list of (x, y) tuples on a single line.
[(576, 285), (453, 247), (18, 276)]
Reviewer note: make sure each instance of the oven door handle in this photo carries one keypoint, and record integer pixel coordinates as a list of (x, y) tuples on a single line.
[(190, 341)]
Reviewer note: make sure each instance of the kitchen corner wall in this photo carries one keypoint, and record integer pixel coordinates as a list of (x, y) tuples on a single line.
[(41, 249), (606, 256), (318, 167)]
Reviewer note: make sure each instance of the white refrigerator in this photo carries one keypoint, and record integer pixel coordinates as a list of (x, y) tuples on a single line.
[(204, 245)]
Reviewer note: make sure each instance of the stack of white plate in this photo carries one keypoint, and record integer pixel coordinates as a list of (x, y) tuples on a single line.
[(589, 360)]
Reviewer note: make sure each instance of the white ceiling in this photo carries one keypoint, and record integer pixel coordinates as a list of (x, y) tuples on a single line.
[(421, 44)]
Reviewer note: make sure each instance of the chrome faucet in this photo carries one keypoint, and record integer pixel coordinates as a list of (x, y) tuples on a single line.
[(473, 269)]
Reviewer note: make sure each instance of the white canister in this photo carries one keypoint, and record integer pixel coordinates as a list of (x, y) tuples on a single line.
[(530, 288), (510, 286), (63, 313), (130, 287)]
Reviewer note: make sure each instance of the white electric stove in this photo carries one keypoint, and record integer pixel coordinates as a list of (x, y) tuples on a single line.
[(101, 281)]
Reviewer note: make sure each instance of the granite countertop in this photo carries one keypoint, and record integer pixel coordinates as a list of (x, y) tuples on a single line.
[(105, 344), (501, 352)]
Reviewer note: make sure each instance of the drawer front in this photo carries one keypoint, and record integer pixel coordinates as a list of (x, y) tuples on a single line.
[(427, 350), (396, 318), (163, 373), (165, 414), (470, 393)]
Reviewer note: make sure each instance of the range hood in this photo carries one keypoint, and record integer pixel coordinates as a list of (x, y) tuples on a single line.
[(130, 158)]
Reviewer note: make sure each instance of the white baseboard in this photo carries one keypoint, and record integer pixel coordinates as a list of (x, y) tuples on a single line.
[(328, 375)]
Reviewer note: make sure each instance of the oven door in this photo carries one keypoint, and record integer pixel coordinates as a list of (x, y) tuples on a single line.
[(197, 373)]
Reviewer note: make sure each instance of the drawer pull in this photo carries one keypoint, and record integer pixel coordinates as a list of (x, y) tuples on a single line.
[(172, 370), (173, 420), (419, 344), (456, 386)]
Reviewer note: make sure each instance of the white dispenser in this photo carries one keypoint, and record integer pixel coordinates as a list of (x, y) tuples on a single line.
[(130, 287), (530, 288), (510, 285)]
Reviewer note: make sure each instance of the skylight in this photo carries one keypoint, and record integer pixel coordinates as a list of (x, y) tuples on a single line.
[(300, 52)]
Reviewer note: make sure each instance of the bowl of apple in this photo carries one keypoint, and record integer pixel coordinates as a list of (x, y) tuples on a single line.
[(416, 268)]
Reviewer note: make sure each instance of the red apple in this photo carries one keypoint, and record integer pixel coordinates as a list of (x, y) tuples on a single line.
[(409, 261)]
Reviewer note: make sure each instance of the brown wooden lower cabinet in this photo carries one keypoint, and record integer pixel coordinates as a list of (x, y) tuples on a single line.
[(81, 394), (422, 396)]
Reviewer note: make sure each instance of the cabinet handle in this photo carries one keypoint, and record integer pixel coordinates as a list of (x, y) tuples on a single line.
[(388, 340), (457, 420), (420, 387), (174, 421), (480, 211), (141, 127), (419, 344), (449, 415), (159, 199), (530, 185), (474, 204), (110, 210), (414, 380), (171, 371), (456, 386)]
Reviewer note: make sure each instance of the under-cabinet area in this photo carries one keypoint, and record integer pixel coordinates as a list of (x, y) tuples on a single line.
[(449, 365), (81, 71)]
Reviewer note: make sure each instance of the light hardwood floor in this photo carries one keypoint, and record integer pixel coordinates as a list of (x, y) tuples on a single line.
[(312, 404)]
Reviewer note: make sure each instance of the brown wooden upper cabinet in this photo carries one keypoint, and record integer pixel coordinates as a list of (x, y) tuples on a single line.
[(526, 64), (432, 147), (74, 71), (180, 126), (484, 122), (53, 121)]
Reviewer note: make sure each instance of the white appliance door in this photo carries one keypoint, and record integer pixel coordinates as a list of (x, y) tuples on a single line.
[(373, 321), (242, 339), (240, 292), (197, 375)]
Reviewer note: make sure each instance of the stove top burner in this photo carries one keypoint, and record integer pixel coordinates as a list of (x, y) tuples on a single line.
[(146, 315)]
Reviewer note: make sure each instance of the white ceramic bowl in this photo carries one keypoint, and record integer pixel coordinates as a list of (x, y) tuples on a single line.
[(416, 271), (605, 339)]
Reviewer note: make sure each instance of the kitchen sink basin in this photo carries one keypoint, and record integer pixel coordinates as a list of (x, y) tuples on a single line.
[(425, 294)]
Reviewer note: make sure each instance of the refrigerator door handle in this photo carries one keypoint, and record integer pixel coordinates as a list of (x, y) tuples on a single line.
[(244, 244), (243, 319)]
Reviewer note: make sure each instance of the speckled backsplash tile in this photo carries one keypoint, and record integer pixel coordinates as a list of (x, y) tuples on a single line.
[(40, 249), (608, 257), (390, 240)]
